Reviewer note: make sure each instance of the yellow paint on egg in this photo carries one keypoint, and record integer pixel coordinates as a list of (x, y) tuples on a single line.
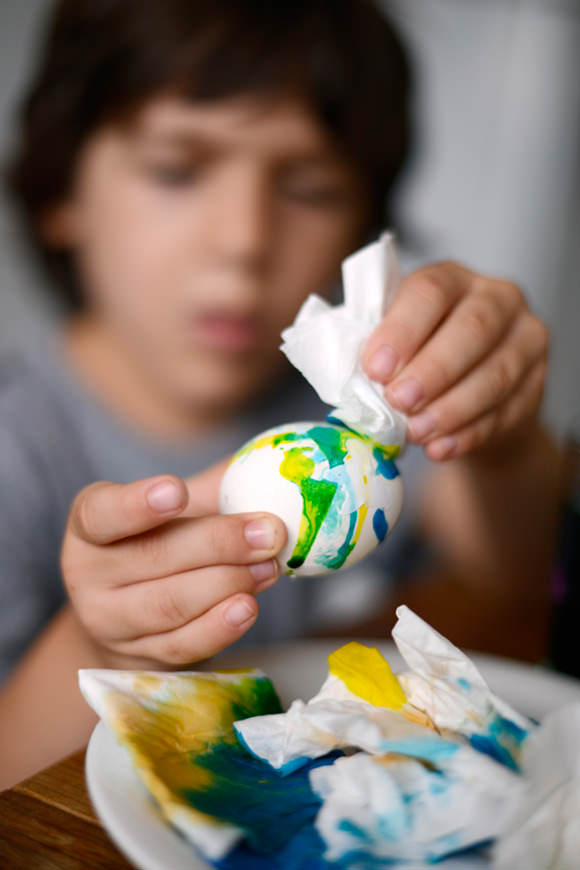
[(362, 513), (367, 674)]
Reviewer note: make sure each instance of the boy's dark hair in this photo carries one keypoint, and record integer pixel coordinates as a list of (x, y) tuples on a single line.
[(103, 58)]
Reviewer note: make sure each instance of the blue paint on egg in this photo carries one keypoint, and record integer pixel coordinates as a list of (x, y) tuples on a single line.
[(380, 524), (385, 467), (463, 683), (336, 421)]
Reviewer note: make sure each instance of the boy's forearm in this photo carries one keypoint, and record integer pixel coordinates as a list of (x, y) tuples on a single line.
[(494, 515), (43, 716)]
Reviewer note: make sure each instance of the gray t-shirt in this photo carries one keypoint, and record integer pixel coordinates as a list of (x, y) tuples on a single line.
[(56, 437)]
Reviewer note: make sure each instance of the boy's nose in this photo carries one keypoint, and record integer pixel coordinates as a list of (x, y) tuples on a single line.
[(239, 220)]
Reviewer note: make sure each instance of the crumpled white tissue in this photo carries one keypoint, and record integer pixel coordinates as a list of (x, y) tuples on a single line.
[(289, 740), (325, 342), (432, 775), (445, 693), (542, 830), (444, 683), (403, 809)]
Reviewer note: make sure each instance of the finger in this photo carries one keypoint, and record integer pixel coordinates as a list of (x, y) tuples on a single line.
[(200, 638), (155, 606), (187, 544), (423, 299), (486, 386), (522, 405), (105, 512), (469, 334)]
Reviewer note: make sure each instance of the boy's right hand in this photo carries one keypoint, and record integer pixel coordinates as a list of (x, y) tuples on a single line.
[(157, 580)]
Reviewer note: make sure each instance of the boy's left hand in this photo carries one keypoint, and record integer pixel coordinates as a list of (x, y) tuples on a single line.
[(462, 355)]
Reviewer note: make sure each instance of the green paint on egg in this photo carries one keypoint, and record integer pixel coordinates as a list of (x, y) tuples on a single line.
[(331, 442), (316, 495)]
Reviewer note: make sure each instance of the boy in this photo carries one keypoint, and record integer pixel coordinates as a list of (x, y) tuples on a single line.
[(190, 173)]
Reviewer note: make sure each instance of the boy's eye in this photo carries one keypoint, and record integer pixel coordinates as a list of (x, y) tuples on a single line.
[(172, 174), (316, 194)]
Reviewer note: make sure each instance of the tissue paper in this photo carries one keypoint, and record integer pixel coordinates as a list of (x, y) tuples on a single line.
[(542, 830), (178, 731), (377, 769), (325, 342)]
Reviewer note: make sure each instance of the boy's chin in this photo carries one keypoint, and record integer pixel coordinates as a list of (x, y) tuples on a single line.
[(223, 397)]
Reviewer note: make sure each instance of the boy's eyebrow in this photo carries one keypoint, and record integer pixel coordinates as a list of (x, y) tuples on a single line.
[(315, 153)]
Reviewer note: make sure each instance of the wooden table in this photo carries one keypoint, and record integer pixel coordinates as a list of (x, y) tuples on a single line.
[(48, 823)]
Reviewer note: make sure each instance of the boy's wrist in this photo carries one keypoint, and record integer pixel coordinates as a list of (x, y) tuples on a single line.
[(512, 446)]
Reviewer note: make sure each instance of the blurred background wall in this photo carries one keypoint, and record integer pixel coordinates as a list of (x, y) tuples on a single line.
[(495, 178), (23, 306)]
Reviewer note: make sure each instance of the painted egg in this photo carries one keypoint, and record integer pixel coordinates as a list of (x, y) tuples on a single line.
[(338, 492)]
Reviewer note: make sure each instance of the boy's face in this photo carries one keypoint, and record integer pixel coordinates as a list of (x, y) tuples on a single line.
[(199, 229)]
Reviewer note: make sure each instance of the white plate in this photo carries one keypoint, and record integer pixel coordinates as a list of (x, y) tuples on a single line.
[(297, 671)]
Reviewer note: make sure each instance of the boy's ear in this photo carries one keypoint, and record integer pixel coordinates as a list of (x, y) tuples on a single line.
[(59, 226)]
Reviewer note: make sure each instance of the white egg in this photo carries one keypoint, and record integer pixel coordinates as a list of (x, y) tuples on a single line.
[(338, 492)]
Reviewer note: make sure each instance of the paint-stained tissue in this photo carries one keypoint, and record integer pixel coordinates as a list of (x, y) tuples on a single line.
[(334, 484), (376, 770)]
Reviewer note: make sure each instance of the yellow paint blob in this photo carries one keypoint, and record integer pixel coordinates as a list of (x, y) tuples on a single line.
[(367, 674)]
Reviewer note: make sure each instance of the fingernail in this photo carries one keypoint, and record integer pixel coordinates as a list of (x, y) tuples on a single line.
[(406, 394), (421, 426), (165, 497), (259, 534), (383, 362), (443, 448), (265, 573), (238, 613)]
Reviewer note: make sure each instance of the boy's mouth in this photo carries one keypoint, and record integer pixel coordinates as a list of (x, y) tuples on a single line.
[(228, 332)]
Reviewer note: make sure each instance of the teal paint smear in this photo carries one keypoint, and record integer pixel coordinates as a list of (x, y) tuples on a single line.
[(502, 742), (335, 514), (463, 683), (346, 547), (427, 749), (336, 421), (354, 830), (380, 524), (385, 466), (248, 794), (331, 442)]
